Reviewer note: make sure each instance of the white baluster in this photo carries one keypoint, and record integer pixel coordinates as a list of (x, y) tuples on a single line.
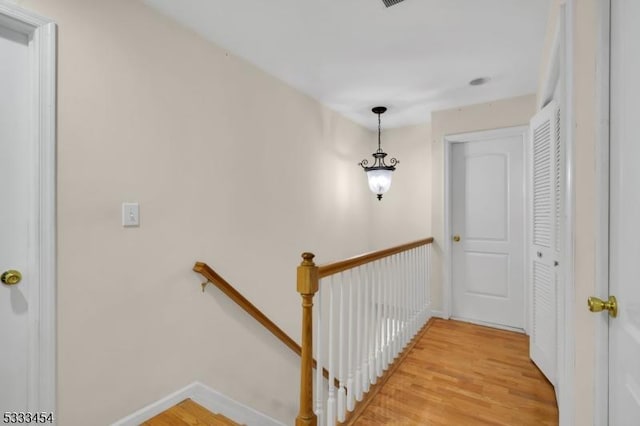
[(414, 293), (427, 287), (423, 262), (359, 294), (390, 279), (389, 322), (423, 300), (390, 285), (407, 277), (331, 400), (380, 319), (375, 306), (367, 358), (429, 277), (396, 323), (407, 296), (375, 335), (342, 392), (383, 317), (417, 269), (390, 311), (394, 306), (418, 290), (381, 328), (385, 312), (400, 302), (351, 399), (403, 301), (373, 330), (419, 298), (319, 346)]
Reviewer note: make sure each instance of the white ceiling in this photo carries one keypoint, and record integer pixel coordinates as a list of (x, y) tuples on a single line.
[(415, 57)]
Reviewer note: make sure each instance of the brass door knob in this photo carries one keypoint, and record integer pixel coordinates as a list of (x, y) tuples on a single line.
[(11, 277), (597, 305), (456, 238)]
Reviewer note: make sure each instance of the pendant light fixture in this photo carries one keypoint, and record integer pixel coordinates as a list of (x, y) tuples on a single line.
[(379, 174)]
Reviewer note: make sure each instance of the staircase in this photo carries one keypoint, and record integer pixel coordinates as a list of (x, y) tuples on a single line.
[(370, 310), (189, 413)]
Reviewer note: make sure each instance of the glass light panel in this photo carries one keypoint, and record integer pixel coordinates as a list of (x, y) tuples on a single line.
[(379, 180)]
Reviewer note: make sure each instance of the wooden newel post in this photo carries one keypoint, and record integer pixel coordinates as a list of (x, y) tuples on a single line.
[(307, 286)]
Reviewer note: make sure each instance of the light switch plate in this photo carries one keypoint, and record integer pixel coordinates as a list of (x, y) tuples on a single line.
[(130, 215)]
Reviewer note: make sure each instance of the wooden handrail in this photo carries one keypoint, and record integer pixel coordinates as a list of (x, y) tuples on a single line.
[(343, 265), (211, 275), (214, 278)]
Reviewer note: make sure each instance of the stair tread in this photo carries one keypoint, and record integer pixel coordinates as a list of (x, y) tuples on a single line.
[(189, 413)]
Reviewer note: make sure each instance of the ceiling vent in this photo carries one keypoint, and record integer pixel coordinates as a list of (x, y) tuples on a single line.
[(391, 2)]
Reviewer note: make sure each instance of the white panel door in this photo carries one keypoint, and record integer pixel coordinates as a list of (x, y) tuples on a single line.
[(488, 217), (544, 252), (14, 219), (624, 331)]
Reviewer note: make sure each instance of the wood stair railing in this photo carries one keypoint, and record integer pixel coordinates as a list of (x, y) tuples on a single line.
[(214, 278), (353, 262), (308, 280), (308, 284)]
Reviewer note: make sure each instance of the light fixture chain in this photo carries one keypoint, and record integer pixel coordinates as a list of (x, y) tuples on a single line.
[(379, 148)]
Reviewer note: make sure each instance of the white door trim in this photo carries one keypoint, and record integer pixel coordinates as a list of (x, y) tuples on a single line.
[(566, 361), (42, 264), (601, 348), (449, 140)]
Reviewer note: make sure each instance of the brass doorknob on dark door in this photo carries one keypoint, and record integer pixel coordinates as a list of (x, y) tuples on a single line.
[(598, 305), (11, 277), (456, 238)]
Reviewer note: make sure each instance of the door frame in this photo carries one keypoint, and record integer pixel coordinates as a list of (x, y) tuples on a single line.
[(603, 164), (449, 141), (41, 32)]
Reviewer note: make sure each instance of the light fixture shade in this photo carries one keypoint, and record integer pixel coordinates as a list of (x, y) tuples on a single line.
[(379, 181)]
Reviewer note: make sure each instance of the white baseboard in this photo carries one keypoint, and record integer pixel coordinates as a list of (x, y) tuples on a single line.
[(490, 324), (209, 398)]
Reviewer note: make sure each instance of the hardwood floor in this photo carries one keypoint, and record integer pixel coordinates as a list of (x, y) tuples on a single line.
[(189, 413), (461, 374)]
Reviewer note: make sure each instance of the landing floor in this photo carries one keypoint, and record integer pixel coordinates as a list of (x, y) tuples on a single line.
[(461, 374)]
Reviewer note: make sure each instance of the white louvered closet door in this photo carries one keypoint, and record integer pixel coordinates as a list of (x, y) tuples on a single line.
[(546, 187)]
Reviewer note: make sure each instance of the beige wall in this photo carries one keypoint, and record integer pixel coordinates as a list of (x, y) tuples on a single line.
[(231, 167), (404, 214), (545, 60), (492, 115)]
